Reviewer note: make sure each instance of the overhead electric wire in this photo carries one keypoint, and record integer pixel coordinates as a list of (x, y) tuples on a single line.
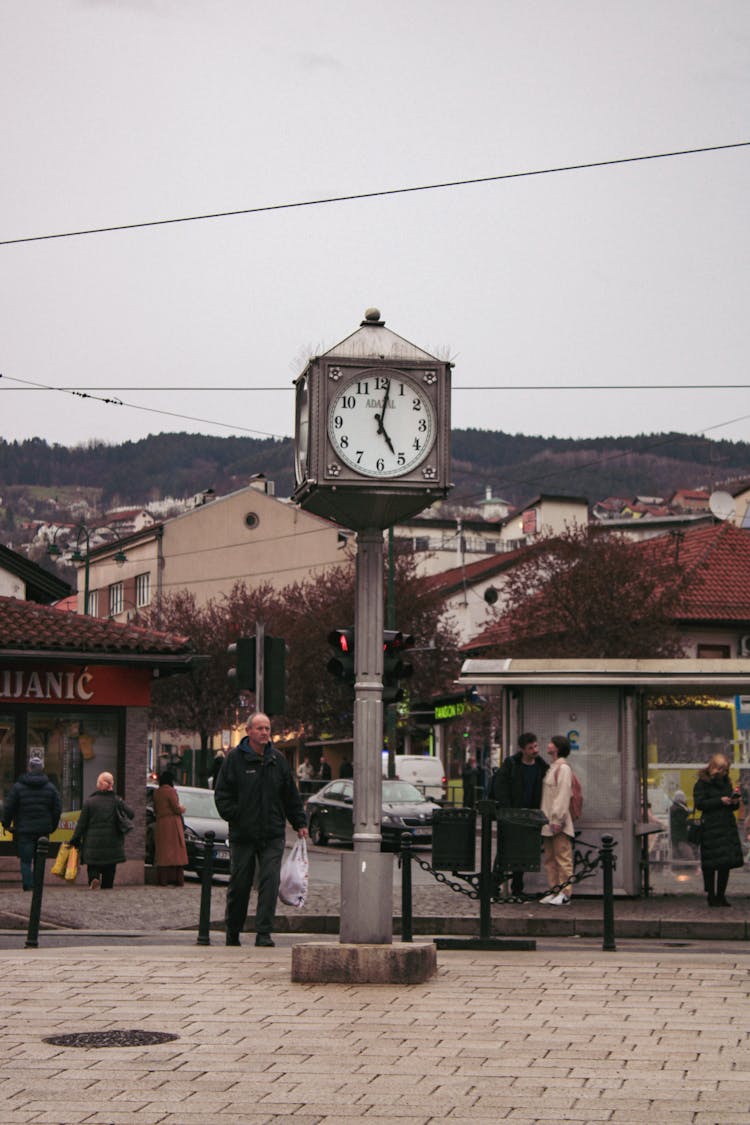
[(77, 388), (376, 194)]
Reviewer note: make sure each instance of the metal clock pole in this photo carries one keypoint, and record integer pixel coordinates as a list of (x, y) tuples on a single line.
[(367, 874)]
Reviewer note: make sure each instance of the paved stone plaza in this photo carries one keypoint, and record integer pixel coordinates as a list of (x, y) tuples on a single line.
[(551, 1036)]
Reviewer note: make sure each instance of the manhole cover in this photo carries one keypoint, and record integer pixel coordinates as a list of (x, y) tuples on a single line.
[(113, 1038)]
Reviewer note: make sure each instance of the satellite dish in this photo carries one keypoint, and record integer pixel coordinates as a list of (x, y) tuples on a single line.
[(721, 505)]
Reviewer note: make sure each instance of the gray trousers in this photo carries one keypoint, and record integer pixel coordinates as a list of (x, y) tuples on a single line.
[(243, 858)]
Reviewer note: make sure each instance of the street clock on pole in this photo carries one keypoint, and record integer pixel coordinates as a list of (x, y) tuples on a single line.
[(372, 429)]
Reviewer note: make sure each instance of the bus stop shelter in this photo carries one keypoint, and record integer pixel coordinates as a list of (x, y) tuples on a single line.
[(639, 731)]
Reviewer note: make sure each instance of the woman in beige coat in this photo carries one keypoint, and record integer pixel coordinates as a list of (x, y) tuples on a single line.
[(169, 834), (558, 834)]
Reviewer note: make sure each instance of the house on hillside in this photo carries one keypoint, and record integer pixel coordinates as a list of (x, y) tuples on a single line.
[(248, 536), (690, 499), (546, 514)]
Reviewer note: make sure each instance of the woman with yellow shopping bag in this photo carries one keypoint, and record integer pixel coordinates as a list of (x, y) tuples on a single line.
[(98, 834)]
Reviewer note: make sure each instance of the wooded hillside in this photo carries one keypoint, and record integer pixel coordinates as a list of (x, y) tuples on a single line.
[(515, 467)]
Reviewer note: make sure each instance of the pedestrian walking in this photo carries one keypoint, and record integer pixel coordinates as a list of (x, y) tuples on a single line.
[(347, 769), (324, 771), (470, 783), (558, 833), (305, 774), (216, 765), (170, 853), (31, 810), (518, 785), (98, 834), (256, 794), (716, 799)]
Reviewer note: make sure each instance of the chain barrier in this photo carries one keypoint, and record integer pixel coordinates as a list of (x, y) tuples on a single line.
[(584, 867)]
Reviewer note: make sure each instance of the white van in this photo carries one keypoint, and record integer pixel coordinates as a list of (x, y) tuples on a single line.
[(422, 770)]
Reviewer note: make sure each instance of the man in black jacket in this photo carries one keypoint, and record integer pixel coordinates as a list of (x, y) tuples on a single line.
[(33, 808), (256, 794), (518, 785)]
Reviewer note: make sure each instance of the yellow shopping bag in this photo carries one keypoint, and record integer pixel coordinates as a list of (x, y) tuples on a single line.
[(61, 860), (71, 867)]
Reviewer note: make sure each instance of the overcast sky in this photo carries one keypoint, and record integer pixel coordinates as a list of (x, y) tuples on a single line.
[(128, 111)]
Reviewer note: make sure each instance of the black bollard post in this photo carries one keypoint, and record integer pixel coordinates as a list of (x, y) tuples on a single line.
[(406, 904), (207, 874), (487, 811), (35, 912), (607, 858)]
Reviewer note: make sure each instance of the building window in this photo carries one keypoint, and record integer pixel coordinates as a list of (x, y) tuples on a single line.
[(490, 547), (93, 603), (115, 599), (421, 543), (142, 589), (713, 652)]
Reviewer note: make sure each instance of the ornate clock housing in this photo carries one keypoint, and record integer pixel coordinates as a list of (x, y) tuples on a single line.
[(372, 429)]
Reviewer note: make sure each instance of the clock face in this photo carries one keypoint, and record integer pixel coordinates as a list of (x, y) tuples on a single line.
[(381, 423)]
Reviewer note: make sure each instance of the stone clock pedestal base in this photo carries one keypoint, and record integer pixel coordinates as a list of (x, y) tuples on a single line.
[(329, 963)]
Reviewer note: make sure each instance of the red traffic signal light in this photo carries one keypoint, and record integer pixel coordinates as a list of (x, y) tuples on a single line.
[(342, 664)]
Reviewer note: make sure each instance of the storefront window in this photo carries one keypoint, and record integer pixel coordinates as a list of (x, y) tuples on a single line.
[(7, 753), (683, 733)]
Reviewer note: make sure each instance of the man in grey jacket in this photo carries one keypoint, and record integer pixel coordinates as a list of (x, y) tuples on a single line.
[(256, 794)]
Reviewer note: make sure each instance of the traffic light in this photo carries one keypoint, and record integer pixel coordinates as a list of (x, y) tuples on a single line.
[(342, 664), (242, 672), (274, 672), (395, 668)]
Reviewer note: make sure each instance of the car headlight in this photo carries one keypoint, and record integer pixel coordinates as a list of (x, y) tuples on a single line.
[(386, 818), (191, 834)]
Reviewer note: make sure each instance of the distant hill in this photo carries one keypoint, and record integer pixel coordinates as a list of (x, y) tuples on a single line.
[(514, 467)]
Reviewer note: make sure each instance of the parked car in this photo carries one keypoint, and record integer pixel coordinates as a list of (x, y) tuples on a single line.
[(329, 813), (200, 817)]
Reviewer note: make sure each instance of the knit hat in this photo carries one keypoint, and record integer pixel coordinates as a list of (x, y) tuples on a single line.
[(36, 765), (679, 797)]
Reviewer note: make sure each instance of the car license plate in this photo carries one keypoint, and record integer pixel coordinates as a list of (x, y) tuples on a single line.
[(421, 831), (221, 853)]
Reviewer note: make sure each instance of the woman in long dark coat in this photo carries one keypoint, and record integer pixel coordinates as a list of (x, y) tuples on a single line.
[(716, 799), (169, 835), (98, 834)]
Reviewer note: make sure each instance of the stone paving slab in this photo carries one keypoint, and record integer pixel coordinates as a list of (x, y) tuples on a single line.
[(563, 1036)]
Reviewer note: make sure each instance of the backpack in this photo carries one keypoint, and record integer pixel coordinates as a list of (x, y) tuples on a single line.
[(576, 797)]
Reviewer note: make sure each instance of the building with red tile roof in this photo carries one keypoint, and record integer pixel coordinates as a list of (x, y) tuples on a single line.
[(713, 611), (75, 690)]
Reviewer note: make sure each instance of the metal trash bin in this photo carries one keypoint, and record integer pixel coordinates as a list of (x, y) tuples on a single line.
[(454, 839), (519, 840)]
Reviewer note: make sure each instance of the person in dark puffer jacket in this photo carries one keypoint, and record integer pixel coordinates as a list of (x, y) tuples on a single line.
[(716, 799), (256, 794), (31, 810), (98, 834)]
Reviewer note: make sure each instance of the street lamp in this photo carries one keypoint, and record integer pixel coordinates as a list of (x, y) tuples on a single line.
[(83, 535)]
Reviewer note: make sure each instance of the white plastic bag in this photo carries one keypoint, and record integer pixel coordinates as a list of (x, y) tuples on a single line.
[(294, 871)]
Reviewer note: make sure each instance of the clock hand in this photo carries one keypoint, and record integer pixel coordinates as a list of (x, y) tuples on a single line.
[(380, 418)]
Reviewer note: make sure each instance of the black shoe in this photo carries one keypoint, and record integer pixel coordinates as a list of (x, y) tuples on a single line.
[(723, 901), (233, 938), (264, 939), (713, 901)]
